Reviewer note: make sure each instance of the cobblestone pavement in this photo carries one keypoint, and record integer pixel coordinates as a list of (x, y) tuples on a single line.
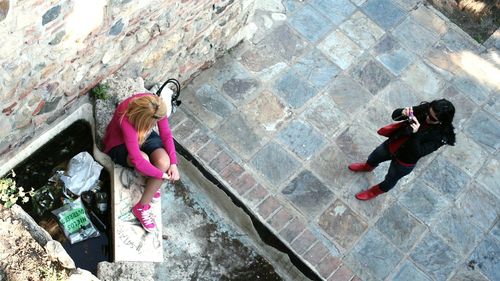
[(278, 119)]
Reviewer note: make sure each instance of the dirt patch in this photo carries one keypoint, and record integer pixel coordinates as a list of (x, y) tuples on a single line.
[(479, 18), (21, 257)]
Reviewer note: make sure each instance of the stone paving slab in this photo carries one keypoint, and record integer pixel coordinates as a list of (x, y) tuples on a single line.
[(278, 120)]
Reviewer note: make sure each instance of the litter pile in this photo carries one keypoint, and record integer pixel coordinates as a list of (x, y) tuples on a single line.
[(72, 197)]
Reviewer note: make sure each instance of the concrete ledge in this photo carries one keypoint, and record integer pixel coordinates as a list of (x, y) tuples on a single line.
[(131, 241)]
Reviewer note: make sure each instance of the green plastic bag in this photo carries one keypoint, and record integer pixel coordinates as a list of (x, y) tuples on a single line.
[(75, 222)]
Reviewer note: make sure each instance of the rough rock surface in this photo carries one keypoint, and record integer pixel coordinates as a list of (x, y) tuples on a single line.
[(21, 257)]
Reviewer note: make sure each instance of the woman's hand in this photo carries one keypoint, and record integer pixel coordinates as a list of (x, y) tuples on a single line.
[(173, 173), (414, 124)]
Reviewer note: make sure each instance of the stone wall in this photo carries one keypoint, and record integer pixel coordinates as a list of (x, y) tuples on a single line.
[(54, 51)]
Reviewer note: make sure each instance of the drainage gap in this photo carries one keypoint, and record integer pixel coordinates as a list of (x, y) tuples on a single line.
[(35, 172), (265, 234)]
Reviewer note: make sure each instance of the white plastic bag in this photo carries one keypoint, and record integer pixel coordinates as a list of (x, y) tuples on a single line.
[(83, 173)]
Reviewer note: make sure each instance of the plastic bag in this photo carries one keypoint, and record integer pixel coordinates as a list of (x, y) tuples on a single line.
[(75, 222), (83, 173)]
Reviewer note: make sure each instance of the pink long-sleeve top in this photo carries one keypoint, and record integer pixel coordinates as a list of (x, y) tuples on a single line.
[(121, 131)]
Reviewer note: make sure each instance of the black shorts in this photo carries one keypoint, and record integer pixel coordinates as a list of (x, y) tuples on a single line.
[(119, 153)]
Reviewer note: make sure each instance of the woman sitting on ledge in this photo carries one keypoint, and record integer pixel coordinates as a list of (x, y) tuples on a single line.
[(131, 142)]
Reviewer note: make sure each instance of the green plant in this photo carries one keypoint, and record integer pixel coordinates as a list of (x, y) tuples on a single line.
[(100, 92), (51, 274), (10, 192)]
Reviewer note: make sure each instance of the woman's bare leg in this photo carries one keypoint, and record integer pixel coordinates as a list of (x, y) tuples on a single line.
[(159, 158)]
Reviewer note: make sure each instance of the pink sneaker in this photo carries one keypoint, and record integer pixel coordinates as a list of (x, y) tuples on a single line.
[(145, 216), (156, 196)]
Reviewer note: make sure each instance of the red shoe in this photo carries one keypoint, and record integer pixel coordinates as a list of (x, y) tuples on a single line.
[(371, 193), (145, 216), (360, 167)]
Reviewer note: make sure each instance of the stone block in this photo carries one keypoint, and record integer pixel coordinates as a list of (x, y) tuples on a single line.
[(445, 177), (341, 50), (325, 115), (471, 88), (493, 106), (348, 94), (409, 272), (274, 163), (316, 68), (435, 257), (457, 40), (328, 265), (458, 230), (484, 129), (221, 161), (365, 258), (489, 176), (301, 138), (423, 202), (282, 43), (487, 258), (316, 253), (371, 75), (356, 142), (384, 12), (495, 231), (292, 230), (426, 83), (400, 227), (310, 24), (294, 90), (211, 99), (256, 195), (336, 10), (466, 154), (362, 30), (233, 80), (308, 194), (209, 151), (428, 18), (244, 183), (392, 56), (397, 94), (342, 224), (197, 140), (304, 241), (343, 273), (420, 40), (331, 166), (465, 273), (240, 136), (480, 206), (203, 108), (280, 219), (268, 111), (231, 173), (268, 207)]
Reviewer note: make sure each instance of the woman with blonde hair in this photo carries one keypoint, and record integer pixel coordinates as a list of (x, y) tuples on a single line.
[(131, 142)]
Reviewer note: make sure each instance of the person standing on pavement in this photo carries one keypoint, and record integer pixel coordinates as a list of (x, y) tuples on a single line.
[(424, 129)]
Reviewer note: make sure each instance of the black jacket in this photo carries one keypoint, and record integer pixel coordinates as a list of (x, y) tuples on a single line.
[(427, 139)]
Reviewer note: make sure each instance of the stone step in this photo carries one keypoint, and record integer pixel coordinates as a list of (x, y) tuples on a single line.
[(131, 241)]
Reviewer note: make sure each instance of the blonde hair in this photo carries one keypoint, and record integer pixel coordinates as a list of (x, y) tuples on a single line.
[(143, 112)]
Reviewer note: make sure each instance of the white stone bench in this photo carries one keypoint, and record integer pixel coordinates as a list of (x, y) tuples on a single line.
[(131, 241)]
